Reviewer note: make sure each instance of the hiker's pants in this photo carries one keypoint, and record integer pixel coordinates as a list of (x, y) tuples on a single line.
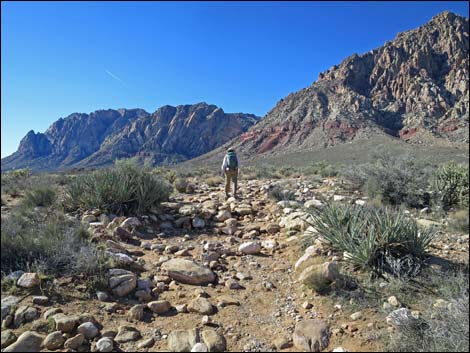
[(231, 175)]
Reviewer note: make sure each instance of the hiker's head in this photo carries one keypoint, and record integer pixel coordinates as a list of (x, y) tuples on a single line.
[(230, 150)]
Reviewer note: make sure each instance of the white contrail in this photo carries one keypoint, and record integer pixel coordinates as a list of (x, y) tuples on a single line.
[(113, 75)]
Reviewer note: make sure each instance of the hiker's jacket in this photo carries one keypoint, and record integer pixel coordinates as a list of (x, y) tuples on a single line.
[(225, 164)]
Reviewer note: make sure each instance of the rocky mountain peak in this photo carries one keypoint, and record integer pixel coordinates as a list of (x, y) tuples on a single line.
[(416, 83)]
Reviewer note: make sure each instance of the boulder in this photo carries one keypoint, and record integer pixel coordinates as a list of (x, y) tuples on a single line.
[(28, 280), (182, 340), (251, 247), (28, 341), (122, 282), (311, 336), (89, 330), (8, 337), (214, 341), (201, 306), (65, 323), (159, 306), (54, 341), (105, 344), (188, 272), (127, 334), (136, 312)]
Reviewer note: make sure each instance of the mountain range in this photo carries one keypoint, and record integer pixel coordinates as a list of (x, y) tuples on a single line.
[(414, 88)]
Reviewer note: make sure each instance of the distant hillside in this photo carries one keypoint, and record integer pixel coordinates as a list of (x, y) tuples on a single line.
[(171, 134), (415, 88)]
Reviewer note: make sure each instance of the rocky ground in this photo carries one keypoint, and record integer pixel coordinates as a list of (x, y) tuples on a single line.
[(203, 273)]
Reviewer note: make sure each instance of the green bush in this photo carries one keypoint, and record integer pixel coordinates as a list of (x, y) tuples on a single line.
[(40, 196), (126, 188), (379, 239), (442, 329), (395, 179), (16, 181), (459, 221), (50, 244), (323, 169), (281, 193), (450, 184), (181, 184)]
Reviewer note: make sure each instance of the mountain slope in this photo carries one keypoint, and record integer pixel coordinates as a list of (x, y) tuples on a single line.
[(97, 139), (415, 87)]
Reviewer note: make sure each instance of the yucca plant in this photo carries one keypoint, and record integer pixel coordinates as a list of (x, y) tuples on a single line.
[(126, 188), (371, 238)]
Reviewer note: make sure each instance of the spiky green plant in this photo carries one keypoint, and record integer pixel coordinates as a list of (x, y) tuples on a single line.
[(371, 238), (126, 188)]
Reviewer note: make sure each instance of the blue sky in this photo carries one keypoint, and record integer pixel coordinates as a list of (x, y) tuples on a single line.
[(65, 57)]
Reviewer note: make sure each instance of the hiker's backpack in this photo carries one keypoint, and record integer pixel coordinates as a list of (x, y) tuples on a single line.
[(232, 161)]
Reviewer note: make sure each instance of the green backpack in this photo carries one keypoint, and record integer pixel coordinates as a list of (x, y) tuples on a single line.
[(232, 160)]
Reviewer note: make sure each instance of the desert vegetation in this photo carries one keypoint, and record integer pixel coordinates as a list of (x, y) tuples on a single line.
[(361, 239)]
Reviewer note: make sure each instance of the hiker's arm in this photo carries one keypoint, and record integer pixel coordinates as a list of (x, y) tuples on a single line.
[(224, 164)]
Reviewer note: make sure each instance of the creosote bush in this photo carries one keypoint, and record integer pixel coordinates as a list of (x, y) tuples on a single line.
[(442, 329), (48, 243), (395, 179), (40, 196), (126, 188), (379, 239), (16, 181), (281, 193)]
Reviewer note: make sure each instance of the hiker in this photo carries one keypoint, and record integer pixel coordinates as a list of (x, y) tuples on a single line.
[(230, 169)]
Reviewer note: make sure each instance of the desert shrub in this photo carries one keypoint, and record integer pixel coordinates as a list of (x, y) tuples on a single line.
[(459, 221), (181, 184), (323, 169), (126, 188), (379, 239), (16, 181), (214, 181), (450, 184), (281, 193), (395, 179), (39, 196), (50, 244), (441, 329)]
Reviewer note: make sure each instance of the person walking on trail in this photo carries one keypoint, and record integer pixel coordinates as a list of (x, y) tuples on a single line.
[(230, 169)]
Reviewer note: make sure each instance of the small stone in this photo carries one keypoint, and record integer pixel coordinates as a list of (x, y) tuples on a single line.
[(136, 312), (54, 341), (214, 341), (182, 308), (88, 329), (282, 343), (307, 305), (356, 316), (105, 344), (65, 323), (75, 342), (127, 334), (201, 306), (199, 347), (28, 341), (311, 335), (393, 301), (28, 280), (206, 320), (8, 337), (40, 300), (147, 343), (250, 248), (159, 306)]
